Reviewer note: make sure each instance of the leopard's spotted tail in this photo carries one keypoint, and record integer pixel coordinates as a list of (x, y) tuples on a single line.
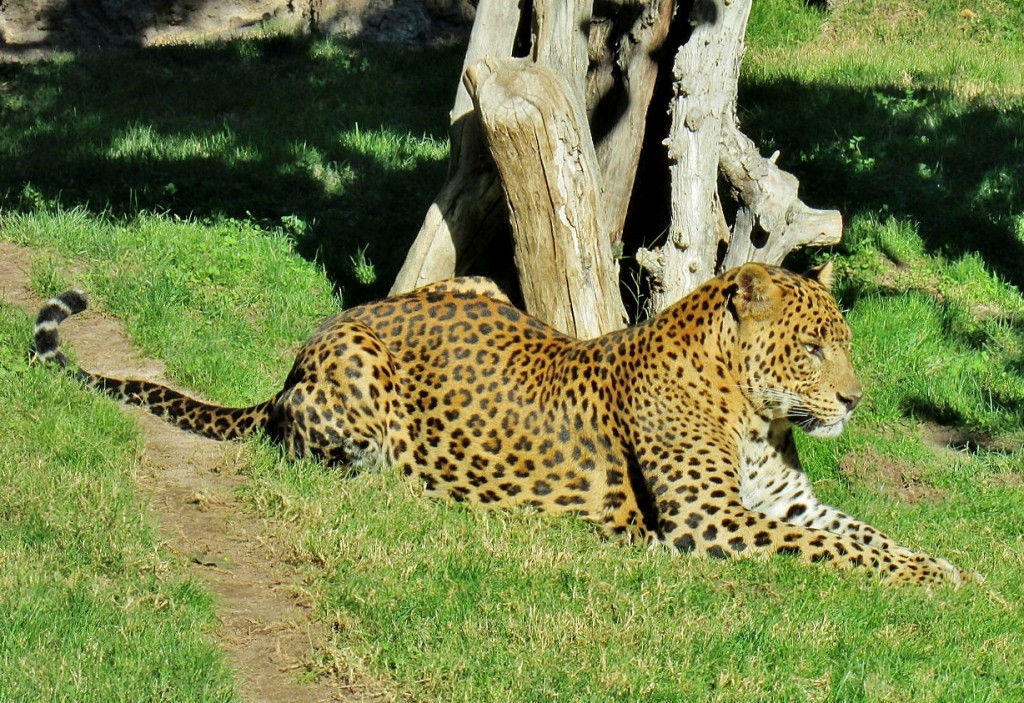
[(214, 421), (56, 310)]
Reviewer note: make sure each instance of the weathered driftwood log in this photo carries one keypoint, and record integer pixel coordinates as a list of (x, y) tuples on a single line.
[(622, 59), (705, 74), (623, 72), (470, 209), (581, 93), (536, 128)]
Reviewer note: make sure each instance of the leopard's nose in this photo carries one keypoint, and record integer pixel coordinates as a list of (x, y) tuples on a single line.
[(850, 398)]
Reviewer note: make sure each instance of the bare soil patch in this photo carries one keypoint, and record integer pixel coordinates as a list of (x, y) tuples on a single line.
[(263, 606), (1009, 481), (889, 476), (944, 437)]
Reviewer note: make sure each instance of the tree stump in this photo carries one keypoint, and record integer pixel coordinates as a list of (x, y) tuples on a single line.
[(532, 115), (547, 132)]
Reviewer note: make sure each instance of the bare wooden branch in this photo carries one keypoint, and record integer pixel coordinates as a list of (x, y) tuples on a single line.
[(706, 71), (705, 142), (538, 136), (772, 220)]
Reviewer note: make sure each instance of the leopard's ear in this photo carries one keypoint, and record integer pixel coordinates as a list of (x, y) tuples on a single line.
[(756, 294), (824, 274)]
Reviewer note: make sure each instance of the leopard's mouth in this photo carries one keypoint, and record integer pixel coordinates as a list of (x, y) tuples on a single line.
[(815, 427)]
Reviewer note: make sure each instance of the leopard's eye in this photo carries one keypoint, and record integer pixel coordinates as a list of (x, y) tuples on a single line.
[(814, 350)]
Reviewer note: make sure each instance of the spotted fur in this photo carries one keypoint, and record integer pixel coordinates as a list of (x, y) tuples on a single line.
[(676, 431)]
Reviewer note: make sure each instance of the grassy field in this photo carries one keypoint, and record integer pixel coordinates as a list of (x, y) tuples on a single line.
[(90, 609), (286, 177)]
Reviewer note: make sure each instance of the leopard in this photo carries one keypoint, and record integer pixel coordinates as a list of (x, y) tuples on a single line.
[(675, 432)]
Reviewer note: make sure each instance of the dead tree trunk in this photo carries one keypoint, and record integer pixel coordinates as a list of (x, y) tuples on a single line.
[(705, 142), (532, 114), (548, 141)]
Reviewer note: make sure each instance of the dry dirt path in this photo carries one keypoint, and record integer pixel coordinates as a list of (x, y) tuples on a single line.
[(190, 482)]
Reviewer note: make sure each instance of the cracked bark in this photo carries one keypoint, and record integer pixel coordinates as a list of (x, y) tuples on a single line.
[(532, 115)]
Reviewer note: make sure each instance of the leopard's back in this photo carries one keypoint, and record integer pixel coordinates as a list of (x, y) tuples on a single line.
[(498, 408)]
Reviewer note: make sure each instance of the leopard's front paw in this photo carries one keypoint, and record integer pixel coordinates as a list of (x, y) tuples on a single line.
[(957, 576), (924, 570)]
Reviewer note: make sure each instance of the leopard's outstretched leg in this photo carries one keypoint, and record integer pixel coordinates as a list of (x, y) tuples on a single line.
[(709, 517), (773, 482), (738, 532)]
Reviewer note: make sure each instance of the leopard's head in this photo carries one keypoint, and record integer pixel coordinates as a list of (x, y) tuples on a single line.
[(793, 352)]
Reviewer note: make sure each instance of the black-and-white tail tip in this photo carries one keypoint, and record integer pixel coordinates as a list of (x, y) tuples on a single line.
[(56, 310)]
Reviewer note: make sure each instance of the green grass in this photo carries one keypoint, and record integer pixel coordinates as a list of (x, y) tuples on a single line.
[(193, 213), (339, 145), (909, 114), (519, 608), (90, 610), (871, 43)]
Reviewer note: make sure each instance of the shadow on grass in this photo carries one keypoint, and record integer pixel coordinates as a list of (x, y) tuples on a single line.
[(957, 431), (313, 135), (955, 168), (321, 137)]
